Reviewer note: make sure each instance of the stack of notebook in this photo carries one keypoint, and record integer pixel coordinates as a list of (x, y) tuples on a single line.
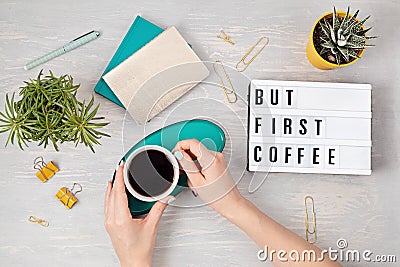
[(150, 70)]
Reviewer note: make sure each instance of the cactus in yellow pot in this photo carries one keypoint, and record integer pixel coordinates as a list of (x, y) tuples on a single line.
[(337, 39)]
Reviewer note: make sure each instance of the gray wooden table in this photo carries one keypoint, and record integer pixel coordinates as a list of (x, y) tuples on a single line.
[(361, 209)]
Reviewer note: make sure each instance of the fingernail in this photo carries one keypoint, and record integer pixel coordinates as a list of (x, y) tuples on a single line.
[(178, 155), (194, 193), (168, 199), (172, 199), (120, 163)]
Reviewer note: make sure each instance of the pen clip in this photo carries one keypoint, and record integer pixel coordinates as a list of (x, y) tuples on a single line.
[(82, 36)]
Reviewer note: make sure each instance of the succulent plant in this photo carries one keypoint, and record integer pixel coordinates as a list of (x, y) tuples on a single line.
[(345, 37), (49, 112)]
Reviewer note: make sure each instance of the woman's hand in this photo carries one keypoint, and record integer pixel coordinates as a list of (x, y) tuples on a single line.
[(209, 177), (214, 184), (133, 239)]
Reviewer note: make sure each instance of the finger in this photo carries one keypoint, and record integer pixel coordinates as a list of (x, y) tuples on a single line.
[(154, 216), (119, 184), (168, 199), (191, 170), (190, 184), (118, 194), (113, 185), (192, 146), (107, 198), (121, 206)]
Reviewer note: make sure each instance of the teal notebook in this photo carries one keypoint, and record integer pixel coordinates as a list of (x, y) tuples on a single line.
[(139, 34)]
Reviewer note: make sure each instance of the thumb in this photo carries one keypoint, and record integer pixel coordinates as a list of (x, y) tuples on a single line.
[(189, 167), (157, 211)]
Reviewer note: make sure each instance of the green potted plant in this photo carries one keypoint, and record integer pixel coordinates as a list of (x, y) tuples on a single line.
[(48, 112), (337, 39)]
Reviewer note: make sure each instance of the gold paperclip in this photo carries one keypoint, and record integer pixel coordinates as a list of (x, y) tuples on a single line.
[(225, 37), (67, 196), (314, 221), (45, 171), (228, 91), (242, 60), (43, 223)]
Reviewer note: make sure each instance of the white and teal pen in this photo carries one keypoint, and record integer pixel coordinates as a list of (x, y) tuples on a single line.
[(86, 38)]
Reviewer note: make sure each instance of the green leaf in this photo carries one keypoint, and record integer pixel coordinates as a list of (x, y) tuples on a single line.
[(332, 34), (345, 19), (354, 17), (357, 39), (11, 136), (92, 114), (344, 53), (336, 20), (328, 45), (358, 26), (363, 32), (337, 56), (101, 133), (353, 54), (9, 108), (4, 130), (325, 28)]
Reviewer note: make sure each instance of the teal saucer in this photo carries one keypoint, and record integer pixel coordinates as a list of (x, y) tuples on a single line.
[(208, 133)]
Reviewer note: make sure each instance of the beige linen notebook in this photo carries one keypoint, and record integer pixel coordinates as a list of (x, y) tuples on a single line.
[(156, 75)]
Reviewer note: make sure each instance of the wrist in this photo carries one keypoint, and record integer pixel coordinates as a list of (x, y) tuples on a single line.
[(236, 210), (136, 263)]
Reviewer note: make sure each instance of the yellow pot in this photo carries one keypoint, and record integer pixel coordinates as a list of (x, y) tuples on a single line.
[(315, 59)]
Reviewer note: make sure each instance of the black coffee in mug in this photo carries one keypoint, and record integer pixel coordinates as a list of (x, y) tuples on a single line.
[(150, 173)]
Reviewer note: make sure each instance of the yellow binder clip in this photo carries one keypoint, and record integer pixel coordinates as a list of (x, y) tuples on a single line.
[(67, 196), (45, 170)]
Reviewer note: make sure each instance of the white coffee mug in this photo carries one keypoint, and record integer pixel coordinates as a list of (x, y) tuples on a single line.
[(171, 159)]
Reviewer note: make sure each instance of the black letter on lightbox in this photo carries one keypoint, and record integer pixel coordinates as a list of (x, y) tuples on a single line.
[(256, 157), (259, 96)]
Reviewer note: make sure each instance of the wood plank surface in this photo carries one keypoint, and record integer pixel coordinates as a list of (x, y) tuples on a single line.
[(361, 209)]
